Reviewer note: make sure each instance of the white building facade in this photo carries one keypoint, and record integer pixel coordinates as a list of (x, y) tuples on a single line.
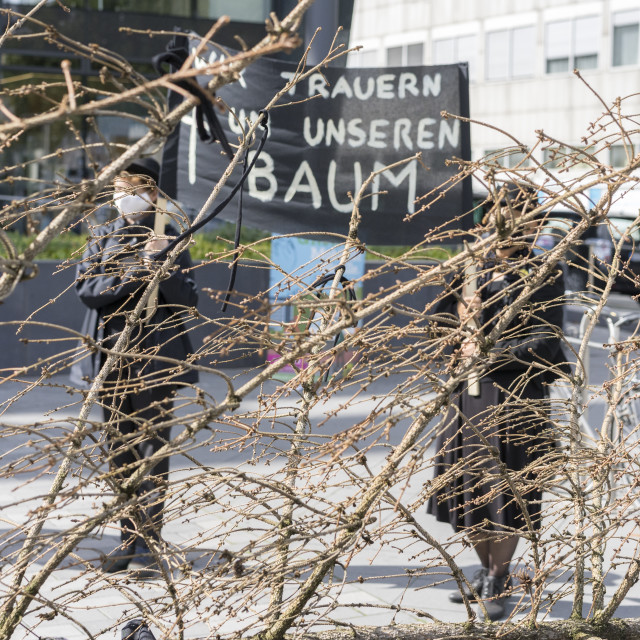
[(521, 55)]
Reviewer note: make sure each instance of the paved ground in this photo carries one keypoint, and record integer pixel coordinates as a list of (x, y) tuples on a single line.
[(385, 579)]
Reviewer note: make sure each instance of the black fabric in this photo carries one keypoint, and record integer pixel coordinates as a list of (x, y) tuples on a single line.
[(532, 342), (236, 241), (168, 183), (326, 139), (147, 167), (132, 416), (474, 491), (137, 394), (109, 279), (136, 630), (196, 227), (175, 56), (511, 412)]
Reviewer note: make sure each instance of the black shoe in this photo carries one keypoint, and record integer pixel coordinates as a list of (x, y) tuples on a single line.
[(476, 582), (494, 595), (118, 560), (137, 630)]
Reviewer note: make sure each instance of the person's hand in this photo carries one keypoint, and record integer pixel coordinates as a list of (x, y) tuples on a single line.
[(469, 308), (156, 244), (468, 348)]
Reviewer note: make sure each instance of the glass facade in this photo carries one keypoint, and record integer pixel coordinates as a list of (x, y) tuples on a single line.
[(510, 53), (572, 44), (457, 49), (394, 57), (254, 11), (508, 157), (620, 155), (249, 11), (625, 44), (405, 55), (523, 46), (31, 79)]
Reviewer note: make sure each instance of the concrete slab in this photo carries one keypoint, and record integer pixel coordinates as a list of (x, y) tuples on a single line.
[(375, 578)]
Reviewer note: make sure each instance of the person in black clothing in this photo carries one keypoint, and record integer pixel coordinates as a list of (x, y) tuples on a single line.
[(137, 396), (503, 421)]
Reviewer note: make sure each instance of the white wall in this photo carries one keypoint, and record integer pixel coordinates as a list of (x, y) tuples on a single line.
[(558, 103)]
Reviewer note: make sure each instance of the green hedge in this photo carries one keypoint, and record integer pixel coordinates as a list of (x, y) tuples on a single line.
[(61, 247), (209, 245)]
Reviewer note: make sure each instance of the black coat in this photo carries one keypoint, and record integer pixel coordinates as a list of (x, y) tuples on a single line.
[(469, 490), (109, 280), (533, 337)]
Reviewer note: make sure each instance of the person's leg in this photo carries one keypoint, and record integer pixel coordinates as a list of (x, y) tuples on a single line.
[(122, 457), (495, 588), (116, 407), (122, 463), (500, 552), (151, 409), (481, 546), (155, 407)]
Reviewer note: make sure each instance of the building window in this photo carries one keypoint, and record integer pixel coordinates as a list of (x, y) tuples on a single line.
[(256, 11), (554, 157), (510, 53), (572, 44), (394, 57), (558, 46), (363, 58), (453, 50), (164, 7), (406, 55), (626, 27), (564, 158), (415, 54), (618, 155), (508, 158)]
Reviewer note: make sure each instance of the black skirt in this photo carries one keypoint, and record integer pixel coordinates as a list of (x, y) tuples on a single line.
[(484, 440)]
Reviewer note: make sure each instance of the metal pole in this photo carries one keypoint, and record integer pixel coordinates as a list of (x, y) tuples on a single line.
[(323, 14)]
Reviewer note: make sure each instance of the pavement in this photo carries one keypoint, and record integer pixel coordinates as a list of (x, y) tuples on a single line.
[(88, 605)]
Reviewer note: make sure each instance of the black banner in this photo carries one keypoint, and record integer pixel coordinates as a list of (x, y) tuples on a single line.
[(325, 139)]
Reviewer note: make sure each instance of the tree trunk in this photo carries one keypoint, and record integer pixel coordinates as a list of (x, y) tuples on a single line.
[(624, 629)]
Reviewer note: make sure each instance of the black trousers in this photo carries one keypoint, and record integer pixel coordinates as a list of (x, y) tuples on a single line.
[(133, 417)]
